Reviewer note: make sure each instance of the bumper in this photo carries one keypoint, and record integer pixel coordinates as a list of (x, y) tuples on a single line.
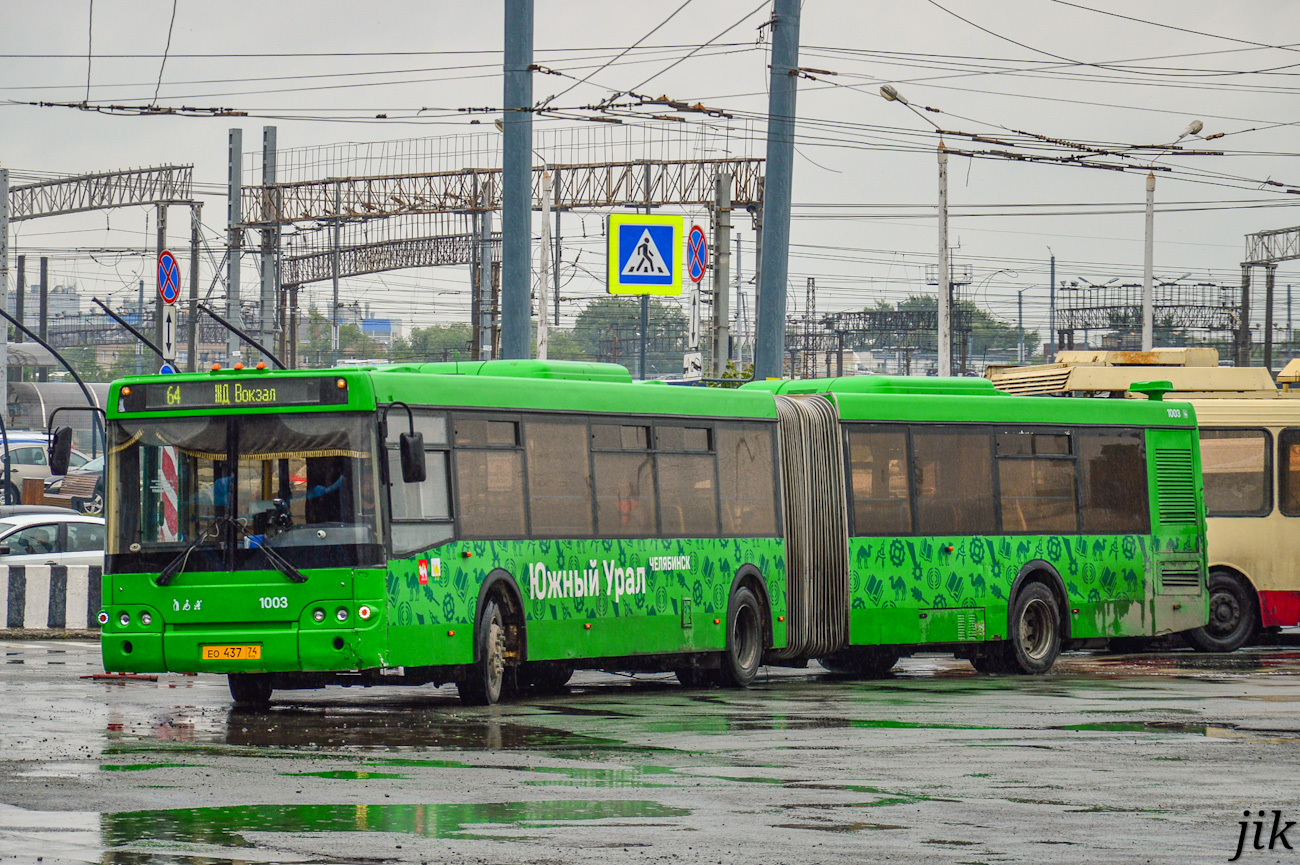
[(1279, 609)]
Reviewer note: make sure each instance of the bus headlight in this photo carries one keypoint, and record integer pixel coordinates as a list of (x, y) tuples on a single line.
[(363, 611), (146, 619), (318, 615), (124, 619), (342, 614)]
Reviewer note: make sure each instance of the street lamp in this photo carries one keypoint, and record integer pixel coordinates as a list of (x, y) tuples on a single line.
[(891, 94), (1148, 280)]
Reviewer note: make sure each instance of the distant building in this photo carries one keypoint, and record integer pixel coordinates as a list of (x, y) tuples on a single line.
[(63, 301), (382, 330)]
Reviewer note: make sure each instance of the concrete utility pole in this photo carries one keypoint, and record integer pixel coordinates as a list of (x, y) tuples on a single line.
[(742, 321), (555, 271), (192, 320), (270, 244), (1051, 308), (4, 287), (516, 182), (43, 322), (544, 254), (722, 274), (334, 275), (234, 236), (1148, 279), (1243, 321), (20, 309), (485, 282), (645, 298), (945, 274), (139, 313), (1269, 272), (774, 257), (157, 300), (1020, 325)]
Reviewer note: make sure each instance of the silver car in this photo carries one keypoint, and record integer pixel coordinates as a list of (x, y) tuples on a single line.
[(51, 539)]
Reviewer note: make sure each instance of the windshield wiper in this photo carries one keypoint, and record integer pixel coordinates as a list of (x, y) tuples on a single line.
[(176, 565), (279, 562)]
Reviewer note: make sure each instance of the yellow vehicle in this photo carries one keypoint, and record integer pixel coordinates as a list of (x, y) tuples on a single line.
[(1250, 459)]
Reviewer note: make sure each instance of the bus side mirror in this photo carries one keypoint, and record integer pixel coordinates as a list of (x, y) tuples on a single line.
[(60, 450), (411, 447)]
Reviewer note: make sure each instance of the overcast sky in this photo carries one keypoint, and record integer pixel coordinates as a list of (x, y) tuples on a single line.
[(865, 175)]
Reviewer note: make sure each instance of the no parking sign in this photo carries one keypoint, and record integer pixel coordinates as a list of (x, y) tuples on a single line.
[(697, 254)]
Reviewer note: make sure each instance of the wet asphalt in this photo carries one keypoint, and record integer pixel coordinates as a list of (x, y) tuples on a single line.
[(1111, 758)]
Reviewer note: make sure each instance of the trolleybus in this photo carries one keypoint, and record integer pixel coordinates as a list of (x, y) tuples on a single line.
[(497, 524)]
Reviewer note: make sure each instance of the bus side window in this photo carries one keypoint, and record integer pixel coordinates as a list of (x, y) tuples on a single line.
[(1236, 465), (878, 470), (746, 479), (1113, 482), (489, 478), (1036, 481), (559, 477), (688, 498), (953, 482), (1288, 486)]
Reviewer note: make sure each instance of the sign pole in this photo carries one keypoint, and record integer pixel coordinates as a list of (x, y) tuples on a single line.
[(645, 298)]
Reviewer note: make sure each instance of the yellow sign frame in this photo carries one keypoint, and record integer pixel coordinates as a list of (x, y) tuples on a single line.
[(615, 282)]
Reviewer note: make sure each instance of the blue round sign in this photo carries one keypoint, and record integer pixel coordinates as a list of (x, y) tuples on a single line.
[(167, 369), (697, 254), (169, 277)]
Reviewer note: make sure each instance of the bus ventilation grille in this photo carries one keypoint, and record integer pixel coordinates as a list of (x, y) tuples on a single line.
[(1175, 485), (1182, 578)]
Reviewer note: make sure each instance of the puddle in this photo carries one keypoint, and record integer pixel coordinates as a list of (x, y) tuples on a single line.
[(840, 827), (1137, 727), (345, 775), (1212, 731), (294, 728), (223, 826), (141, 767)]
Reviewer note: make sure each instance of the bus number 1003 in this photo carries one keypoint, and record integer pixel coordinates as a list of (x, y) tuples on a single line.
[(280, 603)]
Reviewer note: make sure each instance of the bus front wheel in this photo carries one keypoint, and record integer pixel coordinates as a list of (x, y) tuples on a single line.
[(250, 690), (1232, 615), (744, 653), (483, 684), (1035, 632)]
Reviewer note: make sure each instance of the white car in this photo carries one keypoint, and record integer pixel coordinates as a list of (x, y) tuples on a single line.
[(51, 539), (29, 458)]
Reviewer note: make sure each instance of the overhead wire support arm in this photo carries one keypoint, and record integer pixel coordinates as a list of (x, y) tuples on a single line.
[(137, 334), (245, 337), (90, 399)]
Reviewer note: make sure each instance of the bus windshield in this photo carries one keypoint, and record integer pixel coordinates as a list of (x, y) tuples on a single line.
[(301, 484)]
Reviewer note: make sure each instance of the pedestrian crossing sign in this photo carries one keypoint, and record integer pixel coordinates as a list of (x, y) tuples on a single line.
[(645, 253)]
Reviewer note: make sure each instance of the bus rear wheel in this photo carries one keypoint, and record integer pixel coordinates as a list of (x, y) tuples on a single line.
[(486, 678), (1035, 632), (1232, 615), (744, 653), (250, 690)]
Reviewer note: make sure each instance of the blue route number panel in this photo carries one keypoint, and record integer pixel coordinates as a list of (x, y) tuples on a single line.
[(645, 254)]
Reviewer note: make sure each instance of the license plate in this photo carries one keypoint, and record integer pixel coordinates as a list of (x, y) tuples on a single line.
[(232, 653)]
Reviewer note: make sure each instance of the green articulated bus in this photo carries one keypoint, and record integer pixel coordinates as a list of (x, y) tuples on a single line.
[(499, 524)]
